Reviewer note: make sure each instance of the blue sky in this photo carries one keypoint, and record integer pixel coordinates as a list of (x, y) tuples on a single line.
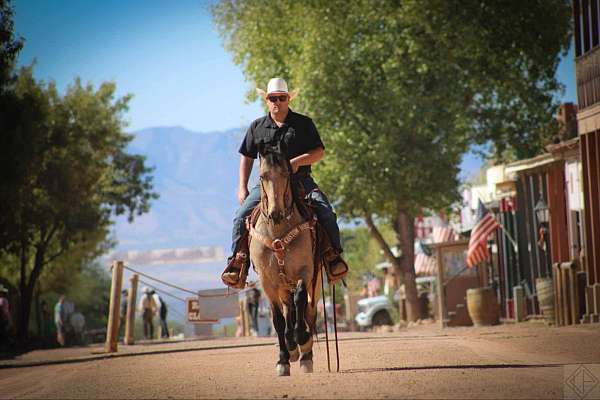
[(167, 53)]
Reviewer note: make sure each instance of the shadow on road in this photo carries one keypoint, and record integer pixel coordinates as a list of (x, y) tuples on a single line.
[(453, 367)]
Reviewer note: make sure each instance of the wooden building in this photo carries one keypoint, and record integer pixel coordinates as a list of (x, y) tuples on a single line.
[(586, 18), (544, 249)]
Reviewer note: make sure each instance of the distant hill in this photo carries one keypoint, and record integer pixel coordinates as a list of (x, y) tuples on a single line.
[(196, 175)]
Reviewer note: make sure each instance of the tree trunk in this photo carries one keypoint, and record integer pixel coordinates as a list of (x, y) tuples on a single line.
[(23, 314), (404, 228), (404, 265), (27, 288), (38, 315)]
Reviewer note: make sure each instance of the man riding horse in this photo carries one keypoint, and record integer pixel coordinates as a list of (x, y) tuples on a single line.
[(305, 149)]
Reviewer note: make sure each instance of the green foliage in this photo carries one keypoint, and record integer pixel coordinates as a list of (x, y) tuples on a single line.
[(66, 173), (362, 253), (9, 46), (88, 289), (399, 89), (65, 163)]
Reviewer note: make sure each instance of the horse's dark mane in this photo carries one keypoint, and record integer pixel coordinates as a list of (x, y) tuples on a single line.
[(275, 152), (275, 158)]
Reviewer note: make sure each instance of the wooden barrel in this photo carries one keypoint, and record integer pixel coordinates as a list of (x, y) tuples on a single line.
[(545, 295), (483, 306)]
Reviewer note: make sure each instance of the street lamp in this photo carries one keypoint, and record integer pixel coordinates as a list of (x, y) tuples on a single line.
[(543, 216), (541, 212)]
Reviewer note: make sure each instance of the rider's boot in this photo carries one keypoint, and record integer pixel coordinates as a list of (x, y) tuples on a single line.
[(238, 265), (336, 267)]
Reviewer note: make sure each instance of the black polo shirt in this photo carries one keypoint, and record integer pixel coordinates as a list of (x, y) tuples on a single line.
[(264, 130)]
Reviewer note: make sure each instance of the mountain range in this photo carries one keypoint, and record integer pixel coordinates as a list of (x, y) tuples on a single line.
[(196, 176)]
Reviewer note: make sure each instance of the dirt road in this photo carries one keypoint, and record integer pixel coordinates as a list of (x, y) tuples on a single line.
[(511, 361)]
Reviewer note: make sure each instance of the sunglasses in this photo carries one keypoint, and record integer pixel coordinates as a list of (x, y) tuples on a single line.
[(281, 98)]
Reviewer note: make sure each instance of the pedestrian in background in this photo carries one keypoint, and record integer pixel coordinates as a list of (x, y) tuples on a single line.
[(60, 319), (162, 314), (5, 317), (148, 308)]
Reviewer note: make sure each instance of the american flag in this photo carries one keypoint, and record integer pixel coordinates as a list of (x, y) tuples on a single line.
[(425, 263), (484, 226), (442, 234)]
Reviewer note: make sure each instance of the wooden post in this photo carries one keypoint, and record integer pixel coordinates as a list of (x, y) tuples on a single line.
[(565, 297), (443, 315), (558, 292), (519, 303), (131, 305), (596, 295), (242, 317), (246, 318), (112, 330), (573, 291)]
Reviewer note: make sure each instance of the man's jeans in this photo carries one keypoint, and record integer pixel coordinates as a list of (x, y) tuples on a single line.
[(320, 203)]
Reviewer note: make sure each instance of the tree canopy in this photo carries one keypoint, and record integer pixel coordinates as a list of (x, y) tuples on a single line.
[(66, 173), (400, 89)]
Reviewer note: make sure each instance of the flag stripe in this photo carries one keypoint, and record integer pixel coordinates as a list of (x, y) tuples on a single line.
[(442, 234), (483, 228), (424, 264), (477, 251)]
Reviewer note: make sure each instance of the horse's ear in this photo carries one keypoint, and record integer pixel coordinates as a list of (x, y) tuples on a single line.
[(287, 140)]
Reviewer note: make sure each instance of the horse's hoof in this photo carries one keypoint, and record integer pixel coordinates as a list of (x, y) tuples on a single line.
[(306, 347), (283, 369), (294, 355), (306, 366)]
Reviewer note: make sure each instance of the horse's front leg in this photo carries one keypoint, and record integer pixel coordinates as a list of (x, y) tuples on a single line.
[(303, 335), (283, 365), (290, 323)]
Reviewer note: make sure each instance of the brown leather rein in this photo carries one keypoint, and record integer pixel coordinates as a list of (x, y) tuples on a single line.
[(279, 245)]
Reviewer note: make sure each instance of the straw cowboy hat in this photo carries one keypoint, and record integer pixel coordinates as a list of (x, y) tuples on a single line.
[(277, 85)]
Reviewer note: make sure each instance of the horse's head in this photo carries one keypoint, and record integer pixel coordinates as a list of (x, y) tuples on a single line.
[(275, 174)]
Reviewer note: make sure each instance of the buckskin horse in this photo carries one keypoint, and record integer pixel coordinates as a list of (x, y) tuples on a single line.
[(282, 244)]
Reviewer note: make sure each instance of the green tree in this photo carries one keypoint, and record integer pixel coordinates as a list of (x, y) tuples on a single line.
[(400, 89), (68, 173), (362, 252), (9, 45)]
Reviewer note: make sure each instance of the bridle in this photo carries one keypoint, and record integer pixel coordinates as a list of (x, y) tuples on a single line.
[(279, 245), (287, 197)]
